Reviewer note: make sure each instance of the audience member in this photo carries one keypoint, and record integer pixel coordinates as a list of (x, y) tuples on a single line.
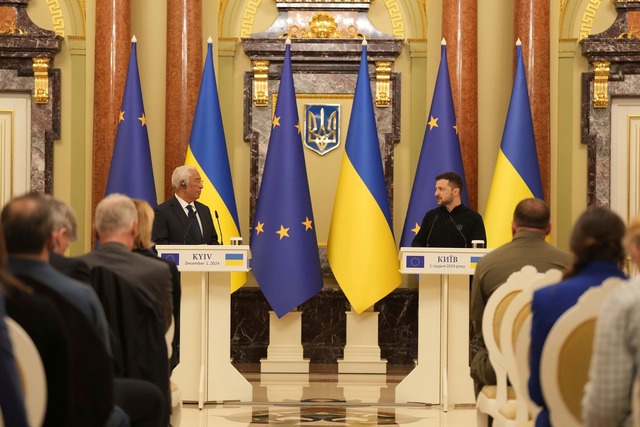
[(11, 398), (529, 228), (116, 222), (65, 231), (143, 245), (596, 242), (57, 312), (615, 362)]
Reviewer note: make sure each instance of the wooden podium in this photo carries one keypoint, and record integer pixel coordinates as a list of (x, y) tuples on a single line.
[(432, 380), (205, 373)]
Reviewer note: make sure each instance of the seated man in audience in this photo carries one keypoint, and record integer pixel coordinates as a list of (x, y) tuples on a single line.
[(596, 242), (530, 227), (117, 226), (65, 231), (615, 362)]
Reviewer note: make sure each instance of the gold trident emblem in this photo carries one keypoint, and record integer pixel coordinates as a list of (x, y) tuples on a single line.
[(322, 136)]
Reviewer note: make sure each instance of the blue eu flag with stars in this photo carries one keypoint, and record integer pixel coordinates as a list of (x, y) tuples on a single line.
[(440, 153), (284, 247)]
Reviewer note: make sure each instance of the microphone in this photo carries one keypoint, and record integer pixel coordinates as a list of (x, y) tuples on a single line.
[(219, 227), (431, 229), (184, 236), (459, 228)]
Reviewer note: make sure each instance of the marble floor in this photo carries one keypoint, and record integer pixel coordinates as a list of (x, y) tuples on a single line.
[(324, 398)]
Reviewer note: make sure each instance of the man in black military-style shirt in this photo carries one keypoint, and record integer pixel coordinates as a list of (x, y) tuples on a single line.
[(451, 224)]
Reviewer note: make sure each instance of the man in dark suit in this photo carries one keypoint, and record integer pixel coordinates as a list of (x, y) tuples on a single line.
[(182, 220)]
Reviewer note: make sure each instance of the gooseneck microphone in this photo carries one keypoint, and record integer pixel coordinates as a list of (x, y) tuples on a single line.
[(431, 229), (219, 227), (459, 228)]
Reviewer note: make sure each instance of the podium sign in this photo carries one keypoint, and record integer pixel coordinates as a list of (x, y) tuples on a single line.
[(440, 347), (205, 372), (440, 260), (207, 257)]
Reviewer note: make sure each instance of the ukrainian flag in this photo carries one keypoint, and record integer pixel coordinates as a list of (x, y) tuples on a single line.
[(361, 247), (517, 174), (207, 151)]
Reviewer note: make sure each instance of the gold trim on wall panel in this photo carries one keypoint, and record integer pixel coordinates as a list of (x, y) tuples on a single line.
[(630, 119), (260, 83), (83, 14), (3, 152), (41, 79), (601, 70), (56, 16)]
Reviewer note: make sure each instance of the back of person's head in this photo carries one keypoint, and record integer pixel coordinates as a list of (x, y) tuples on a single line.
[(64, 217), (532, 213), (115, 214), (8, 283), (145, 225), (180, 175), (596, 236), (27, 224), (455, 181)]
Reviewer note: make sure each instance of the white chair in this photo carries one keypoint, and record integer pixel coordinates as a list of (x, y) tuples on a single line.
[(31, 372), (176, 394), (516, 412), (492, 398), (566, 355)]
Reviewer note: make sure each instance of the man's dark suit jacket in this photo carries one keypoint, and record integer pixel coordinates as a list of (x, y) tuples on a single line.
[(171, 225), (72, 267)]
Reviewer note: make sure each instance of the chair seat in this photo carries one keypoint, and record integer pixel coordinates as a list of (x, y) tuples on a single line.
[(509, 410), (491, 391)]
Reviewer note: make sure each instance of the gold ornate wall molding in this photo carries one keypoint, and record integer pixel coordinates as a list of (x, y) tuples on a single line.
[(56, 17), (588, 17)]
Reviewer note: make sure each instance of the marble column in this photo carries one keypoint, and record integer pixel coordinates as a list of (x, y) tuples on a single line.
[(184, 70), (460, 30), (113, 47), (531, 26)]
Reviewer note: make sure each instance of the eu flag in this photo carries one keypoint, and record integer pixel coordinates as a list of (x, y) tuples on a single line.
[(131, 172), (286, 262), (207, 151), (440, 153), (517, 174), (361, 248)]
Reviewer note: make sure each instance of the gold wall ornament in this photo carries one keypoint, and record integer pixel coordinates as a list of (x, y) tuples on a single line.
[(601, 71), (9, 27), (260, 83), (383, 84), (323, 26), (41, 78)]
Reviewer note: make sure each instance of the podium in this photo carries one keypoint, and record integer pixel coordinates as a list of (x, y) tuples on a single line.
[(205, 373), (432, 381)]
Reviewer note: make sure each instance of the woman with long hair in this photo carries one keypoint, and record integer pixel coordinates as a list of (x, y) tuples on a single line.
[(596, 244)]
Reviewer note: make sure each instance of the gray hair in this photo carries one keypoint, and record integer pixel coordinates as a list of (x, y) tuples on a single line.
[(115, 213), (181, 173), (64, 217)]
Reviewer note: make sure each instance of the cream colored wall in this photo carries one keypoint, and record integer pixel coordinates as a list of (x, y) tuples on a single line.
[(417, 64)]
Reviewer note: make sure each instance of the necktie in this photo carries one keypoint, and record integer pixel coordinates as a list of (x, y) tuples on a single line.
[(195, 226)]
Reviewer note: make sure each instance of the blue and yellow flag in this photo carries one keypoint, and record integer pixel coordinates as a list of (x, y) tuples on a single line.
[(131, 171), (207, 151), (517, 174), (440, 153), (361, 248), (286, 262)]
